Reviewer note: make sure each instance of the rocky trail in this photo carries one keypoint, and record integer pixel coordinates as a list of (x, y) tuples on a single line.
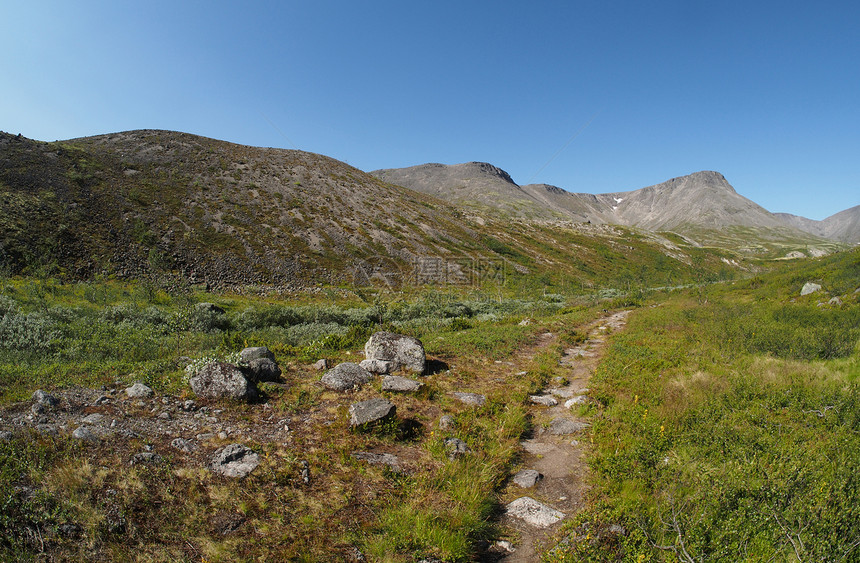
[(553, 481)]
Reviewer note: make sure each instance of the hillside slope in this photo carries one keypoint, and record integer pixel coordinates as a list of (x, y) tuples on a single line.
[(844, 226), (174, 206)]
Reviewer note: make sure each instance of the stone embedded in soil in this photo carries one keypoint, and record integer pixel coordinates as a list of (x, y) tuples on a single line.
[(390, 460), (94, 418), (545, 400), (473, 399), (446, 422), (578, 400), (183, 445), (456, 448), (45, 399), (371, 411), (564, 426), (85, 434), (346, 376), (399, 384), (527, 478), (139, 391), (235, 460), (533, 512), (321, 365), (562, 393)]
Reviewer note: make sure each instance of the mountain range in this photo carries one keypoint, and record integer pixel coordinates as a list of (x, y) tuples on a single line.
[(693, 205), (176, 206)]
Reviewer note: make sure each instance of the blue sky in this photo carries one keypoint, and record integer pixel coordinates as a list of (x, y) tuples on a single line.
[(589, 96)]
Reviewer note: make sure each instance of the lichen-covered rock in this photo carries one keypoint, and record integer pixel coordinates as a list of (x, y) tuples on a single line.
[(220, 380), (262, 369), (564, 426), (400, 384), (235, 460), (139, 391), (346, 376), (527, 478), (455, 447), (533, 512), (378, 367), (473, 399), (255, 353), (545, 400), (371, 411), (45, 399), (808, 288), (404, 352)]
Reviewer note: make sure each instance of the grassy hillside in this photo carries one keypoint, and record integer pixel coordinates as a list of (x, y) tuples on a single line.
[(179, 210), (729, 426)]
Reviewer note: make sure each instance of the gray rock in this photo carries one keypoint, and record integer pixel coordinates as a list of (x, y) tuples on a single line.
[(545, 400), (255, 353), (94, 418), (561, 393), (220, 380), (809, 287), (321, 365), (45, 399), (234, 460), (533, 512), (5, 435), (446, 423), (400, 384), (346, 376), (564, 426), (371, 411), (578, 400), (85, 434), (378, 367), (455, 447), (390, 460), (835, 301), (262, 369), (527, 478), (210, 308), (473, 399), (405, 352), (146, 458), (183, 445)]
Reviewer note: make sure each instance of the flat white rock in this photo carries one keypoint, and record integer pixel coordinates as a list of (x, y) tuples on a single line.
[(533, 512)]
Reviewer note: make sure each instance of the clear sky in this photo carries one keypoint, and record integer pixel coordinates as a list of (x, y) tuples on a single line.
[(591, 96)]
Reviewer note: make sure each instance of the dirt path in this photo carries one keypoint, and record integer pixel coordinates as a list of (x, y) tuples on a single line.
[(558, 457)]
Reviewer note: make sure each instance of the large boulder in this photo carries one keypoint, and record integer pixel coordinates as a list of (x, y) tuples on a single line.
[(404, 352), (346, 376), (258, 363), (371, 411), (220, 380)]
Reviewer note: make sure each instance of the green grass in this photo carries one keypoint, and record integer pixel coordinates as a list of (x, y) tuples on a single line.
[(729, 427)]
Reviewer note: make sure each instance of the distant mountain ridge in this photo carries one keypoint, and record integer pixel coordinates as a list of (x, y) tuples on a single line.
[(693, 204)]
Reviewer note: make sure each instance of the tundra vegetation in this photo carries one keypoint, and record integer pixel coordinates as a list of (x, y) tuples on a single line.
[(726, 425)]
